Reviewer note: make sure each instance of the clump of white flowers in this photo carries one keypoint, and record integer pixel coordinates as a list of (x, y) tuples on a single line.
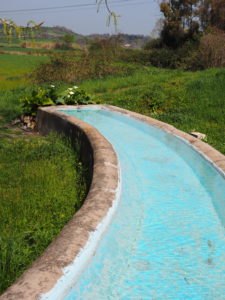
[(53, 96), (74, 96)]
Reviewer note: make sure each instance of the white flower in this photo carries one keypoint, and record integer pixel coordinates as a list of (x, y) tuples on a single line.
[(75, 87), (69, 89), (71, 93), (68, 96), (52, 85)]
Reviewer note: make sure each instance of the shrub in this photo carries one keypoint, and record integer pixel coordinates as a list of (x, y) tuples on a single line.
[(211, 52), (38, 97), (60, 68), (135, 56), (63, 46), (68, 38), (70, 68), (102, 59), (73, 96), (50, 96), (153, 44), (164, 58), (106, 49), (180, 58)]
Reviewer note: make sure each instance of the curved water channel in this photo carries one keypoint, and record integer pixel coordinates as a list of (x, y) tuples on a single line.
[(167, 238)]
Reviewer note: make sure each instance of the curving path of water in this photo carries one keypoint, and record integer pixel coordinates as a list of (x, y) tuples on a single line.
[(167, 239)]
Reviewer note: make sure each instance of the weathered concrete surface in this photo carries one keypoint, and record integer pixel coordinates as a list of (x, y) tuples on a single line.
[(98, 155)]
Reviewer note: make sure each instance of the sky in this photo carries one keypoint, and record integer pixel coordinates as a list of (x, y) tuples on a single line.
[(137, 16)]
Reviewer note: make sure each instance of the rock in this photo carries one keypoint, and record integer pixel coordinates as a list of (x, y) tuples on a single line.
[(31, 125), (24, 128), (27, 119), (29, 122), (198, 135), (16, 122)]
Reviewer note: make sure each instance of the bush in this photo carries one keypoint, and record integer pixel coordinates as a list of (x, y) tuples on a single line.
[(211, 52), (164, 58), (68, 38), (73, 96), (70, 68), (39, 97), (153, 44), (106, 49), (63, 46), (101, 60), (180, 58), (136, 56), (60, 68), (50, 96)]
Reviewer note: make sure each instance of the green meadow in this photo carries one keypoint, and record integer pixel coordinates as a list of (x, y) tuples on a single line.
[(15, 69), (191, 101), (42, 184), (42, 181)]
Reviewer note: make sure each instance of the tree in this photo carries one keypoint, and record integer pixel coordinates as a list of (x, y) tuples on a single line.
[(218, 14), (10, 29), (183, 19), (68, 38), (179, 21)]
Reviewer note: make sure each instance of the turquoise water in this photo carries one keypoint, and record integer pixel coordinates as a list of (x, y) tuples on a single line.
[(167, 238)]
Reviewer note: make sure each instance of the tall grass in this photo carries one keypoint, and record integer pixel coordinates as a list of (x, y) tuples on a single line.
[(42, 184), (191, 101)]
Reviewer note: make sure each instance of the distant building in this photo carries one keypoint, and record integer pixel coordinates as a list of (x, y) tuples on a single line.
[(126, 45)]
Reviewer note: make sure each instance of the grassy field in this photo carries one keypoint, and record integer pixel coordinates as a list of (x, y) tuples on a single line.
[(191, 101), (41, 186), (14, 68), (42, 182), (27, 50)]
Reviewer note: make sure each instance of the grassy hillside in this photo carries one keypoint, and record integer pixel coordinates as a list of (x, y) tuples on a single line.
[(189, 101)]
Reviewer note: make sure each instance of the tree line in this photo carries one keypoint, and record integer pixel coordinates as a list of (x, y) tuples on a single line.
[(184, 19)]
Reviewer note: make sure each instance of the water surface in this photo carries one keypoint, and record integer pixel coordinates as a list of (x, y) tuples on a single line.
[(166, 240)]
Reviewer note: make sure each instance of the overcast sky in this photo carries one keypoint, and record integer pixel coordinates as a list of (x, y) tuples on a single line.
[(138, 16)]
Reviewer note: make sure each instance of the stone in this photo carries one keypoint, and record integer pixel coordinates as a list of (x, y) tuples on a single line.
[(16, 122), (198, 135)]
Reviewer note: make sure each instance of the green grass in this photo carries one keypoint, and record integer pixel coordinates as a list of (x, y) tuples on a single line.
[(14, 69), (42, 182), (31, 50), (20, 49), (191, 101), (41, 187), (41, 179)]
